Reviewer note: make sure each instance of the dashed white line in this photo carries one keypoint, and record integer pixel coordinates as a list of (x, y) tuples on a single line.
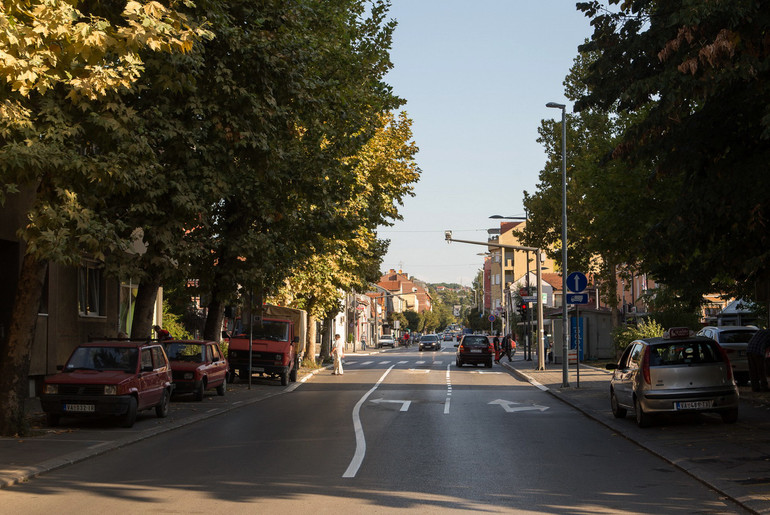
[(448, 390)]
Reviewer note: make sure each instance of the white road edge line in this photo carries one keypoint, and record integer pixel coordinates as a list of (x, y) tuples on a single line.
[(358, 457)]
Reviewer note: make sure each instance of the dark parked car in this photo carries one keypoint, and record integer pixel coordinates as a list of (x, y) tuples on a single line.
[(430, 341), (676, 373), (197, 366), (474, 349), (116, 378)]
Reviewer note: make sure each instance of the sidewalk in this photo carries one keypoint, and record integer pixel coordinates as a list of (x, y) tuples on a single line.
[(733, 459)]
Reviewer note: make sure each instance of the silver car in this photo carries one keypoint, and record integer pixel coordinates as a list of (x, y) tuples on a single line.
[(676, 373), (734, 340)]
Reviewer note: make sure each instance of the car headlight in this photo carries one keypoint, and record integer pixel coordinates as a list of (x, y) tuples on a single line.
[(279, 357), (110, 389), (51, 389), (188, 375)]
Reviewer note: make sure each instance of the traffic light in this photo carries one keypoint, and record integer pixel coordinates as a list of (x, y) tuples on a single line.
[(523, 309)]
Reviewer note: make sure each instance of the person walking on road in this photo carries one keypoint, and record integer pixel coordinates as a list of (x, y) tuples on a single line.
[(338, 352), (755, 352), (496, 343)]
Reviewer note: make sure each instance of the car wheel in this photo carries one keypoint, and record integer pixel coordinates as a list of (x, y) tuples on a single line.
[(642, 419), (198, 392), (488, 364), (459, 363), (52, 419), (243, 374), (161, 410), (285, 378), (730, 416), (617, 411), (222, 388), (293, 374), (130, 417)]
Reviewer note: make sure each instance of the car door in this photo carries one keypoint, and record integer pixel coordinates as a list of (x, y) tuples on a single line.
[(623, 380), (218, 365), (148, 382)]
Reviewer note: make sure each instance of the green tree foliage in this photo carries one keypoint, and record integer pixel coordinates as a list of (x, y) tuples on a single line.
[(63, 67), (623, 336), (692, 78)]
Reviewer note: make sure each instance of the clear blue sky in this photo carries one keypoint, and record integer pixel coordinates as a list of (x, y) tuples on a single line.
[(476, 76)]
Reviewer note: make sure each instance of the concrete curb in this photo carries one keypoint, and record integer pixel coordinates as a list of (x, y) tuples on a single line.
[(698, 475)]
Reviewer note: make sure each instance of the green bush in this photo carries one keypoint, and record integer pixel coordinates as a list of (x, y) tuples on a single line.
[(624, 335)]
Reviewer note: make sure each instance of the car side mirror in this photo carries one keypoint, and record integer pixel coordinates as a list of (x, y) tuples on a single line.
[(612, 366), (457, 344), (295, 340), (59, 367), (147, 368)]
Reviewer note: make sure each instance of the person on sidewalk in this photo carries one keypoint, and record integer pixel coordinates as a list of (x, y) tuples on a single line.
[(498, 350), (755, 352), (338, 352), (506, 347)]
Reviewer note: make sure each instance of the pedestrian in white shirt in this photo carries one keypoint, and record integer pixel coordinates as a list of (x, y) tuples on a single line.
[(338, 352)]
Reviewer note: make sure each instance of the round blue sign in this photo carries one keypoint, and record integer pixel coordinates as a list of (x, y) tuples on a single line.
[(576, 282), (491, 318)]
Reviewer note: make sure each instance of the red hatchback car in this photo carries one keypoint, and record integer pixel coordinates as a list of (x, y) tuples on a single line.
[(475, 349), (197, 366), (117, 378)]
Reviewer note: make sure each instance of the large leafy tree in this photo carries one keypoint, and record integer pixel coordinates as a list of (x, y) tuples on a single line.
[(63, 65), (693, 78)]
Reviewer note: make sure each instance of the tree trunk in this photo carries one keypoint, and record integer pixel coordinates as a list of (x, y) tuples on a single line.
[(311, 335), (214, 318), (146, 295), (326, 339), (15, 353)]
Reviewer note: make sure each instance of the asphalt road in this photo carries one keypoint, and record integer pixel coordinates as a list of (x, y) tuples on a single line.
[(400, 430)]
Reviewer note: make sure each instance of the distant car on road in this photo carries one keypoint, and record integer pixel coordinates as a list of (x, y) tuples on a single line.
[(117, 378), (676, 373), (448, 337), (474, 349), (430, 341), (196, 366), (734, 340), (387, 341)]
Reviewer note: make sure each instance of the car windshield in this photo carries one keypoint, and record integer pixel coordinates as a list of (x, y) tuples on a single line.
[(735, 336), (103, 358), (683, 353), (184, 352), (429, 338), (269, 330), (475, 340)]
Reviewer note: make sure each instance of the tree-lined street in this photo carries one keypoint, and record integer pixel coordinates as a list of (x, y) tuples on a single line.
[(438, 439)]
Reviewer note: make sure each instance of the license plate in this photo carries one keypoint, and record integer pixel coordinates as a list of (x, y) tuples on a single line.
[(476, 350), (257, 369), (79, 408), (694, 405)]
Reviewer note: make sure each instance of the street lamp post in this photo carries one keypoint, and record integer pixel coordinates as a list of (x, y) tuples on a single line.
[(565, 320)]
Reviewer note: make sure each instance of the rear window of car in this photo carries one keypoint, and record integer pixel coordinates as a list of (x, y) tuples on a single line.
[(684, 353), (183, 351), (735, 336), (475, 340)]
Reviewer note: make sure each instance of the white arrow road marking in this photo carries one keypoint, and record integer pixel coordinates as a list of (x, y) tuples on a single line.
[(508, 406), (358, 457), (404, 404)]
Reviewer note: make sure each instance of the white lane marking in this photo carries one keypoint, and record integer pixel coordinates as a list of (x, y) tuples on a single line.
[(404, 404), (402, 362), (384, 363), (419, 370), (508, 406), (449, 390), (358, 457), (438, 362), (367, 363)]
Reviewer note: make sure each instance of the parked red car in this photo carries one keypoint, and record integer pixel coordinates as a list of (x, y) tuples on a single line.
[(197, 366), (117, 378)]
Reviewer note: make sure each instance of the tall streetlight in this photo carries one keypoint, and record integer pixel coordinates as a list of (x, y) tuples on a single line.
[(565, 320)]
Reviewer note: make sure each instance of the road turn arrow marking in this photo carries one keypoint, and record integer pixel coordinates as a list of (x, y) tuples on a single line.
[(512, 407), (404, 404)]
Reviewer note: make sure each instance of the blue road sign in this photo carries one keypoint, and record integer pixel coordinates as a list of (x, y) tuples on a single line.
[(576, 282), (577, 298), (491, 318)]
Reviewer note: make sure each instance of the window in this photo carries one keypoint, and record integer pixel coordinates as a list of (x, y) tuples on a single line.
[(158, 358), (146, 359), (91, 288), (215, 352)]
